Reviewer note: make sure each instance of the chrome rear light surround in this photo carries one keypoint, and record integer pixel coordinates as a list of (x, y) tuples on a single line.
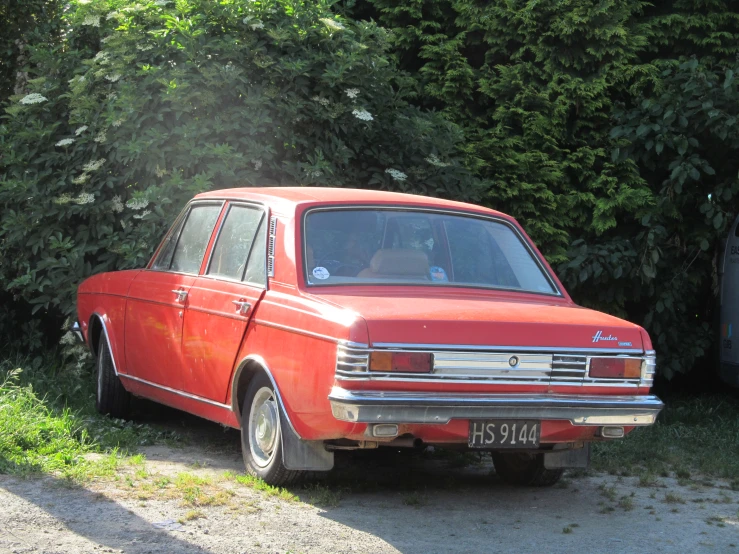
[(494, 365)]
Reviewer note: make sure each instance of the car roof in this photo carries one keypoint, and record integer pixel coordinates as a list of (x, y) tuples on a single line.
[(286, 199)]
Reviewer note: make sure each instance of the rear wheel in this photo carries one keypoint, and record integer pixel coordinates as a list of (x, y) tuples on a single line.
[(521, 468), (261, 434), (110, 398)]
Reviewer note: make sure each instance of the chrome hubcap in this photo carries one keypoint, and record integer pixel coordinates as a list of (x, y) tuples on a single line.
[(264, 427)]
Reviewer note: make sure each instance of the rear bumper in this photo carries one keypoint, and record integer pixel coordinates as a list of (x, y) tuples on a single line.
[(436, 408)]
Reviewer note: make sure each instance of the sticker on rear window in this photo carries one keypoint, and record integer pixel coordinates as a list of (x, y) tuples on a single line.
[(438, 273), (321, 273)]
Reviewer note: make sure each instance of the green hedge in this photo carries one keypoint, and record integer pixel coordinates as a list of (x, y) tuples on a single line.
[(607, 128), (141, 106)]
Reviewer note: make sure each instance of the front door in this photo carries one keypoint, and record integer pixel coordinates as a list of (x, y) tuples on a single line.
[(221, 302), (158, 296)]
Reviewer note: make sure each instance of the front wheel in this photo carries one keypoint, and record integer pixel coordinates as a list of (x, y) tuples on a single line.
[(261, 434), (521, 468)]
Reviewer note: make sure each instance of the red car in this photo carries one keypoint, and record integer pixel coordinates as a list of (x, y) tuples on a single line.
[(323, 319)]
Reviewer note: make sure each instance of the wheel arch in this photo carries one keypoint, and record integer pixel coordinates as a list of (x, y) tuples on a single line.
[(248, 368), (95, 333), (297, 454)]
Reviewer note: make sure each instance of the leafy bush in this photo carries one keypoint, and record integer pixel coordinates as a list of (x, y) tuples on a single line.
[(141, 106)]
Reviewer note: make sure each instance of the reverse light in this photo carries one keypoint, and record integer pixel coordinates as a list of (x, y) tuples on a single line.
[(616, 368), (401, 362)]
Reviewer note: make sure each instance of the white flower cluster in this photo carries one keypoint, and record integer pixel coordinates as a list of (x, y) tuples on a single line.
[(159, 172), (100, 57), (142, 214), (162, 2), (33, 98), (433, 159), (331, 24), (106, 39), (137, 203), (102, 137), (258, 165), (116, 204), (118, 122), (80, 130), (352, 92), (63, 199), (81, 179), (362, 114), (321, 100), (113, 78), (67, 339), (314, 173), (94, 166), (257, 25), (396, 175), (85, 198), (111, 15), (92, 20), (65, 142)]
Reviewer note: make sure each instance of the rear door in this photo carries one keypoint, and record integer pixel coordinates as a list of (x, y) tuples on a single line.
[(159, 294), (222, 300)]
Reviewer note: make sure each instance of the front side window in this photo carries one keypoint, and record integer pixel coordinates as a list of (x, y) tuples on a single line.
[(194, 237), (236, 247), (376, 246)]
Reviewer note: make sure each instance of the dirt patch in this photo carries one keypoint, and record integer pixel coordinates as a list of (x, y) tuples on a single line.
[(196, 499)]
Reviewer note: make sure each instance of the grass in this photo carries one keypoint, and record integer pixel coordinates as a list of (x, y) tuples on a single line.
[(49, 423), (691, 436)]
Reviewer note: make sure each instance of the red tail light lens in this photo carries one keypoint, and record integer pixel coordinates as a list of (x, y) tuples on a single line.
[(401, 362), (615, 368)]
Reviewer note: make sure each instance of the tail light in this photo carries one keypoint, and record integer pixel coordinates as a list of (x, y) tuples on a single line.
[(401, 362), (616, 368)]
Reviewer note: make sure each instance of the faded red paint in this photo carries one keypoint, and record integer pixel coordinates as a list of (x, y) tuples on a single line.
[(195, 346)]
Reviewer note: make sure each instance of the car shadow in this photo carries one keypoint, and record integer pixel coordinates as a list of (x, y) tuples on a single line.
[(87, 514)]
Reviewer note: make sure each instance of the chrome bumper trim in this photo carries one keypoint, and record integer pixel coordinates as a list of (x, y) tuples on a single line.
[(440, 408), (77, 332)]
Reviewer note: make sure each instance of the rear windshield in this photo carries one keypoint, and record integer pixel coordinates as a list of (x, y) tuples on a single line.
[(380, 247)]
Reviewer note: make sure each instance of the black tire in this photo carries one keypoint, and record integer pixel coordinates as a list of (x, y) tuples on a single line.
[(265, 463), (110, 398), (524, 469)]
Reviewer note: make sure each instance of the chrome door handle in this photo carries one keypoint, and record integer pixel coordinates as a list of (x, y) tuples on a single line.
[(242, 306), (181, 294)]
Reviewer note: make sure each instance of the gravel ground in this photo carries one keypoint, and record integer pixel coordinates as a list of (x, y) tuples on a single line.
[(375, 502)]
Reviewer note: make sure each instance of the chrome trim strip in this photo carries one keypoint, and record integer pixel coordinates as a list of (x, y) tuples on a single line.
[(271, 246), (440, 408), (178, 392), (430, 209), (77, 332), (261, 362), (490, 348), (414, 378), (107, 339), (294, 330)]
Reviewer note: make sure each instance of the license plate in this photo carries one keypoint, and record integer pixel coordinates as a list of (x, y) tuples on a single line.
[(504, 433)]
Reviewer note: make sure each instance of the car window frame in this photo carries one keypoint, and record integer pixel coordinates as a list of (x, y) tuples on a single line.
[(184, 215), (263, 223), (558, 293)]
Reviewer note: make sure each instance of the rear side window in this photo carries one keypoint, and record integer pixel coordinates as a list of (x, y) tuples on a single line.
[(235, 243), (193, 240), (164, 258)]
